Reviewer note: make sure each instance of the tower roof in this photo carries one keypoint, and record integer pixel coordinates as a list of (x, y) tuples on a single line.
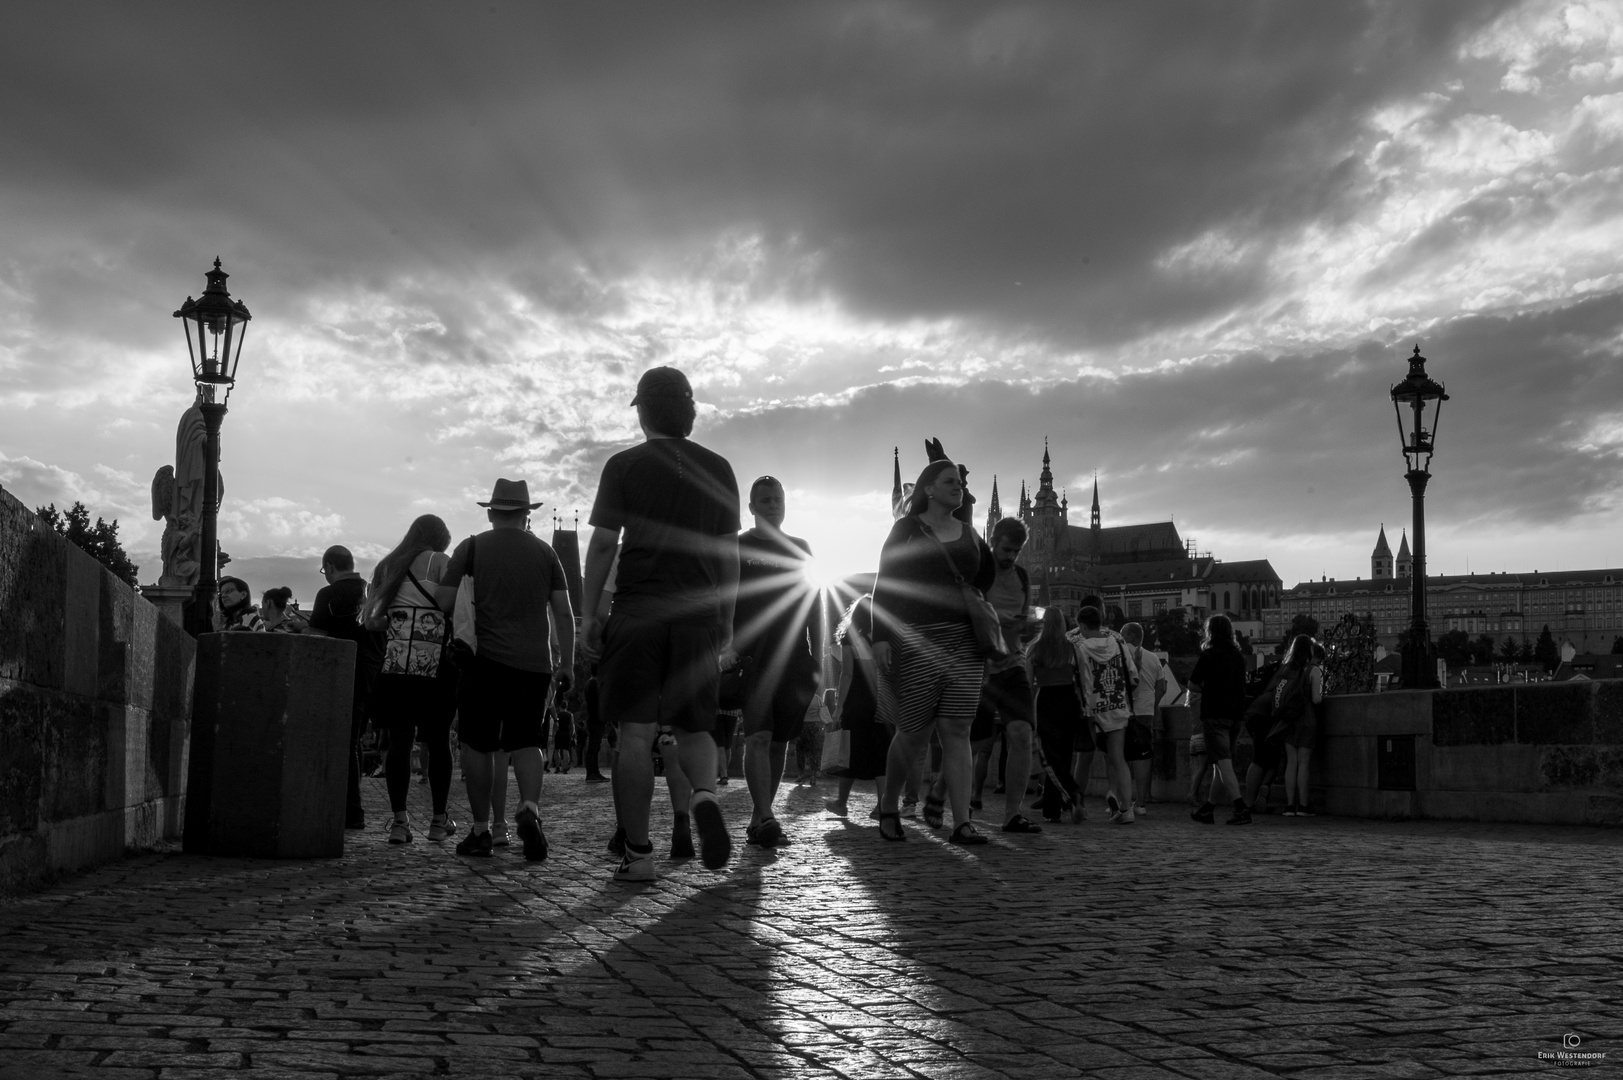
[(1381, 548), (1403, 545)]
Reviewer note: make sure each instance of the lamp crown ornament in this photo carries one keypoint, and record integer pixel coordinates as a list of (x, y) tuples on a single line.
[(221, 327)]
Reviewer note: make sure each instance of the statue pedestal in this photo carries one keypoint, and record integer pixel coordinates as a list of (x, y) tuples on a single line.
[(170, 599)]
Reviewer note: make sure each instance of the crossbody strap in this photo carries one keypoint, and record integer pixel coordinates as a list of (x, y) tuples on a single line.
[(957, 577)]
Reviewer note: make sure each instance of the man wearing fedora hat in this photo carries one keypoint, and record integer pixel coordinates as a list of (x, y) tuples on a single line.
[(502, 694), (670, 507)]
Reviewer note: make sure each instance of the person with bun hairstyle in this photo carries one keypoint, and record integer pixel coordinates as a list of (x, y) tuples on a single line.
[(278, 615), (924, 644)]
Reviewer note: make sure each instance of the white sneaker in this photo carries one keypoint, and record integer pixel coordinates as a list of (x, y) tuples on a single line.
[(636, 866), (1124, 817), (499, 836), (1139, 811)]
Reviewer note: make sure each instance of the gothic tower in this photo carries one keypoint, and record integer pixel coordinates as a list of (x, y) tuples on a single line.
[(1094, 525), (1380, 561), (1405, 560), (994, 512)]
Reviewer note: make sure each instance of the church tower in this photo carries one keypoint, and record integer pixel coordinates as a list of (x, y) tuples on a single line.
[(1094, 525), (1025, 505), (994, 512), (1380, 561), (1405, 560)]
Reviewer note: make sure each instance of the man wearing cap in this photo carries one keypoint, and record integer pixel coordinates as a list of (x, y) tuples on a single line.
[(671, 508), (502, 694), (774, 626)]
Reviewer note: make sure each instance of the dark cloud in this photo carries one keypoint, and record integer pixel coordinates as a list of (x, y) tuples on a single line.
[(1018, 164)]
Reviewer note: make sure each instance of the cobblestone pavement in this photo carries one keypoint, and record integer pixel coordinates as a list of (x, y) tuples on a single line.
[(1296, 947)]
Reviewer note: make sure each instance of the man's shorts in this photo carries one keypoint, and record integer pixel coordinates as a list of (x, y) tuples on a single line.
[(1219, 738), (726, 725), (1006, 697), (1140, 742), (779, 706), (500, 707), (659, 673)]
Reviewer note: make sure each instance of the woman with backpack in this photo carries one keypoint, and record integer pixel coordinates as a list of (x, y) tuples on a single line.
[(1297, 693), (415, 694)]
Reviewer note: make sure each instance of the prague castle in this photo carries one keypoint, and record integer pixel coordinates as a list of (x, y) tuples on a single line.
[(1140, 570)]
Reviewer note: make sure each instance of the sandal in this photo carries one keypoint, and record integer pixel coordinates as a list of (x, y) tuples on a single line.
[(935, 812), (893, 819), (1021, 823), (966, 836)]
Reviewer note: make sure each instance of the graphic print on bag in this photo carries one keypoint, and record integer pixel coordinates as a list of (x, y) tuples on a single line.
[(414, 642), (1290, 698)]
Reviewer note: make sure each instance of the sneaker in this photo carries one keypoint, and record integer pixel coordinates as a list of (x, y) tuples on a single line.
[(1303, 811), (529, 831), (637, 866), (715, 846), (617, 842), (1139, 811), (499, 835), (1112, 805), (355, 822), (1240, 817), (681, 838), (723, 781), (400, 832), (1124, 816), (1289, 811), (1076, 815), (475, 843), (596, 778), (441, 828), (910, 808), (1203, 814)]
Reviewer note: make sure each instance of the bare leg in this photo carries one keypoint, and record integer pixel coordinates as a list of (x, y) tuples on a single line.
[(477, 769), (1084, 773), (634, 780), (1017, 774), (763, 771), (956, 766), (1141, 780), (529, 767), (498, 787), (1304, 755), (903, 762), (1290, 775), (677, 783), (1225, 788), (1197, 776)]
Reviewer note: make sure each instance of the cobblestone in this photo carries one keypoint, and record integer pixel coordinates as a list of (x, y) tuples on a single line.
[(1297, 948)]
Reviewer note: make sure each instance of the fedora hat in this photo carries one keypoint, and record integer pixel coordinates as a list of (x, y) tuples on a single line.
[(510, 495)]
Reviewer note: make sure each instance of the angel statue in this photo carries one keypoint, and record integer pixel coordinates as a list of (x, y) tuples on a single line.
[(177, 501)]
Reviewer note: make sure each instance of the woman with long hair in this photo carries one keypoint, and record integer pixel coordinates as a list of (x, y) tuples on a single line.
[(1217, 693), (924, 643), (1301, 663), (415, 696), (1061, 727), (857, 704)]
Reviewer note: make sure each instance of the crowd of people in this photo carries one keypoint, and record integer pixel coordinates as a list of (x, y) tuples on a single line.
[(693, 628)]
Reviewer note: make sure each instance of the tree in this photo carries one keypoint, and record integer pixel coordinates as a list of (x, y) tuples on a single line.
[(1546, 651), (1455, 648), (1482, 650), (1617, 645), (1175, 633), (1524, 652), (1508, 650), (1303, 624), (99, 541)]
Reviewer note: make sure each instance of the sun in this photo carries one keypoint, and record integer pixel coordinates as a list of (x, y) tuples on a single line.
[(819, 575)]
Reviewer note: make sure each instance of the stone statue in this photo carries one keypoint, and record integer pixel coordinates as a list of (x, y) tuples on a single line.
[(177, 501)]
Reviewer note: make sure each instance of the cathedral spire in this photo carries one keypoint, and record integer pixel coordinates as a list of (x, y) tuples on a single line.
[(1045, 502), (994, 512), (1094, 521)]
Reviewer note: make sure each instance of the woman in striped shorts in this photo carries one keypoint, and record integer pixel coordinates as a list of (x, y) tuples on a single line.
[(924, 642)]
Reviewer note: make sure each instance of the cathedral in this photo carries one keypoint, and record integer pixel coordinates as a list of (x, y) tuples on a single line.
[(1139, 570)]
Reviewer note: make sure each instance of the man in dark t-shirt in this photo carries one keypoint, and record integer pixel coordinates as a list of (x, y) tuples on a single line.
[(774, 625), (337, 614), (519, 596), (671, 507)]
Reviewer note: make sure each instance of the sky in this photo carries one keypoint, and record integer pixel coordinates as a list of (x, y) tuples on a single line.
[(1191, 245)]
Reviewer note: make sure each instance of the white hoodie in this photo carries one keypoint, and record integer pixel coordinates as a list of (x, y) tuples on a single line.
[(1105, 668)]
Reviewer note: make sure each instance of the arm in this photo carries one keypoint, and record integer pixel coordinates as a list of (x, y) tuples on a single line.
[(563, 618), (1315, 682), (887, 582), (847, 661), (599, 557), (727, 586)]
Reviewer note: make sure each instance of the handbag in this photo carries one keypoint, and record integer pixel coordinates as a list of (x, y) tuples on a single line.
[(983, 617), (462, 629)]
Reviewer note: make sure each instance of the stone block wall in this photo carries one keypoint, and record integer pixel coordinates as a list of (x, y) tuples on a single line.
[(95, 703)]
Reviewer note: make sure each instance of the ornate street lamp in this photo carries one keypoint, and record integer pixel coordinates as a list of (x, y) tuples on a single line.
[(221, 325), (1418, 433)]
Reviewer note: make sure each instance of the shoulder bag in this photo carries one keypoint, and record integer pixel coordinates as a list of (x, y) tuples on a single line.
[(983, 618)]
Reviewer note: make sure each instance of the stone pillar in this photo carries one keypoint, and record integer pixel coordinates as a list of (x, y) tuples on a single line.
[(270, 745), (170, 600)]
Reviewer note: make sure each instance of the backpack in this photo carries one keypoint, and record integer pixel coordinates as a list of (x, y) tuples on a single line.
[(1290, 700)]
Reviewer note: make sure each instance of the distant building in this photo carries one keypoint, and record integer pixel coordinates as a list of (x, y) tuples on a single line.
[(1140, 570), (1584, 607)]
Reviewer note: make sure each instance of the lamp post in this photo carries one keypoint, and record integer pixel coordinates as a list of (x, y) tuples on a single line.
[(1418, 433), (221, 325)]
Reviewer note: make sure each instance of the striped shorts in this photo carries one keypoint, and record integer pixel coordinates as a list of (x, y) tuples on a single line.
[(936, 675)]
